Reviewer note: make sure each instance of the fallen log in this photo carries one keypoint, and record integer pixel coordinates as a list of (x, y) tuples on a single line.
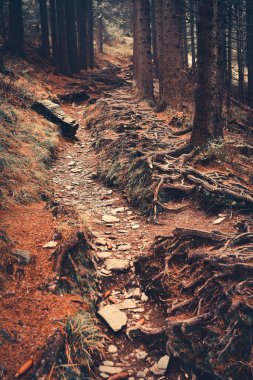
[(54, 113)]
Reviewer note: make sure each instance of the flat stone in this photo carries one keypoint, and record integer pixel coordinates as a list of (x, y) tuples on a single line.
[(117, 264), (24, 257), (112, 349), (104, 375), (127, 304), (50, 244), (108, 363), (110, 219), (101, 241), (109, 370), (163, 362), (115, 318), (104, 255), (144, 297), (135, 226), (140, 355), (124, 247), (141, 374), (76, 170)]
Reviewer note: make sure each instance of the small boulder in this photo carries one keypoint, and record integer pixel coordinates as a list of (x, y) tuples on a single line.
[(24, 257), (115, 318)]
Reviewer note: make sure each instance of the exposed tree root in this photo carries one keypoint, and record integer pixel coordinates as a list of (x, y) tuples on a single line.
[(154, 166), (206, 279)]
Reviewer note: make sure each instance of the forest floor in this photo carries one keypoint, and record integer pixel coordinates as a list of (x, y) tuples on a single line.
[(121, 233)]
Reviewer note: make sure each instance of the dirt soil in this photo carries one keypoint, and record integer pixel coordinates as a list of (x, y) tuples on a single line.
[(29, 315)]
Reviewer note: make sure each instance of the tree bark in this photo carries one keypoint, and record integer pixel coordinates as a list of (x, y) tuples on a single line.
[(54, 33), (16, 28), (184, 44), (82, 32), (90, 34), (70, 6), (229, 67), (64, 67), (249, 15), (172, 81), (192, 31), (100, 26), (159, 42), (45, 47), (144, 75), (207, 123)]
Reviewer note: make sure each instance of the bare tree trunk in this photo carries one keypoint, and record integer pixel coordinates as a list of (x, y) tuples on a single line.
[(249, 14), (192, 30), (173, 82), (16, 28), (90, 35), (239, 38), (184, 44), (64, 67), (54, 33), (70, 6), (144, 76), (154, 37), (100, 26), (159, 43), (82, 32), (207, 124), (229, 69), (45, 47)]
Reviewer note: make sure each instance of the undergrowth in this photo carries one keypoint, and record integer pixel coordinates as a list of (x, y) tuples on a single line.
[(83, 347), (27, 148)]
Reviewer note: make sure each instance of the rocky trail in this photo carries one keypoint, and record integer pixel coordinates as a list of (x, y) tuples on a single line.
[(133, 323), (120, 233)]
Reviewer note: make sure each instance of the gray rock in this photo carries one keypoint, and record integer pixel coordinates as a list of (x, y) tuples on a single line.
[(126, 304), (124, 247), (50, 244), (109, 370), (117, 264), (104, 255), (112, 349), (140, 355), (108, 363), (163, 362), (115, 318), (110, 219), (141, 374), (24, 257)]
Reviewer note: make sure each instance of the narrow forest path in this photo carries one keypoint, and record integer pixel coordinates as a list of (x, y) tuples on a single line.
[(121, 233)]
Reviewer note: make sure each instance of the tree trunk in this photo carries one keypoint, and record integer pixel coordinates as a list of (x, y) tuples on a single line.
[(45, 47), (16, 28), (82, 32), (184, 44), (54, 33), (64, 67), (70, 6), (159, 42), (172, 80), (100, 27), (90, 34), (229, 69), (192, 31), (154, 36), (239, 39), (249, 14), (144, 75), (207, 124)]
